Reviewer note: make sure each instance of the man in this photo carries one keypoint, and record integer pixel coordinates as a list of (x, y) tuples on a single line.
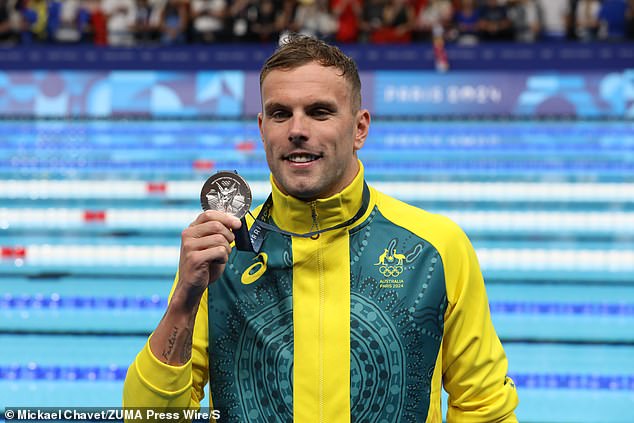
[(357, 307)]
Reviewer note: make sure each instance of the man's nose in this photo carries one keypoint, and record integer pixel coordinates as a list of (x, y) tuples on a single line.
[(297, 132)]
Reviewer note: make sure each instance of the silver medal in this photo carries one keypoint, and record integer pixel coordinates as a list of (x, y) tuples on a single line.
[(227, 192)]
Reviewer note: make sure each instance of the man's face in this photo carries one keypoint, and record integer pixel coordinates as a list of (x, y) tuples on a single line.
[(309, 130)]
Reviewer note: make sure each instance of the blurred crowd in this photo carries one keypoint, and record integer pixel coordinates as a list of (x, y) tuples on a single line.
[(168, 22)]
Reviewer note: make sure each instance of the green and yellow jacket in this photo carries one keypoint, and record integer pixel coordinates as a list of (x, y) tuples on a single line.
[(364, 323)]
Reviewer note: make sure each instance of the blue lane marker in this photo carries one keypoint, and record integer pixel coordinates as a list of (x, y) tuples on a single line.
[(607, 166), (56, 301), (574, 381), (586, 309), (35, 372), (397, 141)]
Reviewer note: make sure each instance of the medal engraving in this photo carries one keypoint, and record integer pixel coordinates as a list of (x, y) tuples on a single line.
[(226, 192)]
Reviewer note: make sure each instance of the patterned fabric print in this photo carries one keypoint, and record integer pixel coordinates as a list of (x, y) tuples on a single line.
[(251, 336), (398, 300)]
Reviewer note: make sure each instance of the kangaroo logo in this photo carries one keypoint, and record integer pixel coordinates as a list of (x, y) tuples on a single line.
[(391, 263), (382, 258)]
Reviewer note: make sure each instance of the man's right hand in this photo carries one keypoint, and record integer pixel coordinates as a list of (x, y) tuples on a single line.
[(205, 249)]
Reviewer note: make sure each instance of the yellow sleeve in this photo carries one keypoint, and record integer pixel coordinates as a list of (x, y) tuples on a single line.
[(152, 383), (474, 364), (472, 361)]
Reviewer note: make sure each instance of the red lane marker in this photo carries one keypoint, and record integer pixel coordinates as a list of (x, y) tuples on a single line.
[(19, 252), (94, 216), (247, 145), (13, 252), (203, 164), (156, 187), (6, 252)]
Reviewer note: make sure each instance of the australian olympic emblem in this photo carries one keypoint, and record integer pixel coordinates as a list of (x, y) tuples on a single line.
[(226, 192), (390, 263)]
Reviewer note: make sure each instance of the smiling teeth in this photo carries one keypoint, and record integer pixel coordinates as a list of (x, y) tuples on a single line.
[(301, 158)]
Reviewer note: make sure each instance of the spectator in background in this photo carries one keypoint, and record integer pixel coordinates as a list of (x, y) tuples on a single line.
[(555, 16), (313, 18), (83, 19), (242, 16), (612, 19), (73, 22), (371, 19), (397, 23), (466, 23), (35, 20), (148, 17), (286, 17), (348, 16), (495, 24), (418, 5), (97, 31), (54, 8), (434, 20), (629, 19), (6, 27), (173, 22), (524, 16), (121, 19), (207, 17), (265, 27), (587, 19), (571, 22)]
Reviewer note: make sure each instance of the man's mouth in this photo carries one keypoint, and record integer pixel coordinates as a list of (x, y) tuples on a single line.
[(302, 157)]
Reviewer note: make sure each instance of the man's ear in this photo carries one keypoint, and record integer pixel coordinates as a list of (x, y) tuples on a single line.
[(362, 128), (260, 126)]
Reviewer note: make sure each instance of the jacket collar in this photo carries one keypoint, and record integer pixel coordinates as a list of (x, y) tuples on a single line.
[(294, 215)]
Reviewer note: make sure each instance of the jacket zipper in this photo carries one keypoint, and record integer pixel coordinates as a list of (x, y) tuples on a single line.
[(315, 224), (322, 301)]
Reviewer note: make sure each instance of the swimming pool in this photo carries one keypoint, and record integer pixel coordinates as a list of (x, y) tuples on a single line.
[(91, 211)]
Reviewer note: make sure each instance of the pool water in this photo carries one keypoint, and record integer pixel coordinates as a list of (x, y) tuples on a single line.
[(91, 214)]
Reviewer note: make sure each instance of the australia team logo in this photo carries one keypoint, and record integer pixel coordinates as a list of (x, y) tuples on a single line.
[(390, 263), (394, 261)]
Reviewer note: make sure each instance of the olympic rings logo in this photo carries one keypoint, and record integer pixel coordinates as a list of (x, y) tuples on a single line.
[(391, 270)]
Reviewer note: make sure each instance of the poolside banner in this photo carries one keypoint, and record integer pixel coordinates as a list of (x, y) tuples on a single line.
[(429, 94), (235, 94), (121, 93), (517, 94)]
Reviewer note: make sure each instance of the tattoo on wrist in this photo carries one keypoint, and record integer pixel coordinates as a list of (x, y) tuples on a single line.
[(171, 342)]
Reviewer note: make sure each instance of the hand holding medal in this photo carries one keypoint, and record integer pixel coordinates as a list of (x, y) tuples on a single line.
[(229, 193)]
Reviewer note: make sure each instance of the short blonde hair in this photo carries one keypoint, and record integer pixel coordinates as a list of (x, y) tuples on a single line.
[(297, 50)]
